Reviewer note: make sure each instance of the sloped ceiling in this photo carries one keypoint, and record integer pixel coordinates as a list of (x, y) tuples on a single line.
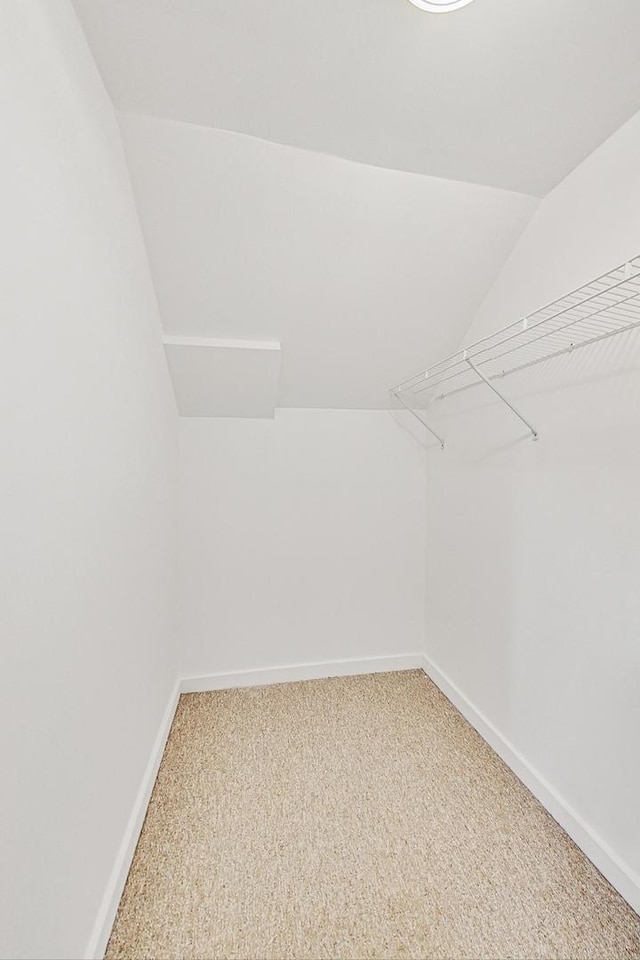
[(347, 177), (359, 272), (511, 93)]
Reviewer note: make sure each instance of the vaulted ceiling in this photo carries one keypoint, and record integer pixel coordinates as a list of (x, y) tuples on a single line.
[(511, 93), (347, 177), (357, 271)]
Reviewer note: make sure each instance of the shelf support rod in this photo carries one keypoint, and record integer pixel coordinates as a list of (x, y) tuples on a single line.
[(419, 419), (534, 432)]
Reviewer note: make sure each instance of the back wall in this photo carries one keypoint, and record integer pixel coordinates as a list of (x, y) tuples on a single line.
[(302, 540)]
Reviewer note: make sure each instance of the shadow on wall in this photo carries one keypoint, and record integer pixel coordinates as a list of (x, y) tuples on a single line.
[(532, 572), (607, 360), (415, 430)]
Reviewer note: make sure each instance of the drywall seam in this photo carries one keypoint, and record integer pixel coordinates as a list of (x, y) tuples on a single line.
[(302, 671), (108, 908), (618, 873)]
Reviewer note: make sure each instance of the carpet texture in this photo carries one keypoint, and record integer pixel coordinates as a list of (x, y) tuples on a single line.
[(355, 818)]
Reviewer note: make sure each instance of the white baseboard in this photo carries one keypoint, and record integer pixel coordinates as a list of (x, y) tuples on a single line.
[(106, 915), (625, 880), (218, 681), (301, 671)]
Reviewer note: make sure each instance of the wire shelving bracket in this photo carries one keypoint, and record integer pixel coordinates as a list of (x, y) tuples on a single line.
[(596, 311), (414, 413)]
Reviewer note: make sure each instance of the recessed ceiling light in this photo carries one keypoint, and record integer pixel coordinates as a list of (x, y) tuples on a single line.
[(439, 6)]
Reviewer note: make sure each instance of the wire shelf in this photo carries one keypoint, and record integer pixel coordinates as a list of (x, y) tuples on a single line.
[(602, 308)]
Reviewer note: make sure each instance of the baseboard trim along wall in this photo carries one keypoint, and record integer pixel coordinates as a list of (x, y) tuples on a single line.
[(609, 864), (106, 915), (216, 681), (619, 874), (302, 671)]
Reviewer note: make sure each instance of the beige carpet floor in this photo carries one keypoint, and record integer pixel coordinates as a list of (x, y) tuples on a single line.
[(357, 817)]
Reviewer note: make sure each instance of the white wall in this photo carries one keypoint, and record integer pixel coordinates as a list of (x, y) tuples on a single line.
[(89, 452), (533, 548), (302, 540)]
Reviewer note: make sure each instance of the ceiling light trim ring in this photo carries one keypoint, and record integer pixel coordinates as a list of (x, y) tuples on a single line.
[(439, 6)]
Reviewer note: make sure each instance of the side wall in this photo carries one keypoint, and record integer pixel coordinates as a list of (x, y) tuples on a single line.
[(89, 457), (302, 540), (533, 548)]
